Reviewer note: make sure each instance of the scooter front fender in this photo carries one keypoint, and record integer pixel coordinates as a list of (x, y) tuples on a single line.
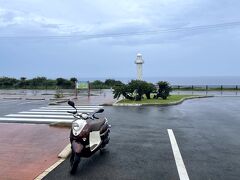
[(77, 147)]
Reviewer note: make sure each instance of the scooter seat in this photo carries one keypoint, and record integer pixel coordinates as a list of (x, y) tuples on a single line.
[(96, 125)]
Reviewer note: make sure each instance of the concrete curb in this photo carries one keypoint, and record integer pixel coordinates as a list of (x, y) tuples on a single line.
[(13, 98), (62, 101), (35, 99), (122, 104), (167, 104), (58, 102), (61, 124), (106, 104), (116, 103), (65, 152), (59, 99)]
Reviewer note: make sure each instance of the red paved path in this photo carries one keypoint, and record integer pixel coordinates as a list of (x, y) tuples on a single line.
[(26, 150)]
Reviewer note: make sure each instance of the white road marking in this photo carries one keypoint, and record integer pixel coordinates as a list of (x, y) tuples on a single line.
[(43, 112), (70, 108), (60, 110), (75, 106), (26, 103), (9, 101), (182, 172), (39, 116), (48, 170), (46, 114), (33, 120)]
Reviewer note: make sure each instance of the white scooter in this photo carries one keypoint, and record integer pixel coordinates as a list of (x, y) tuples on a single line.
[(88, 135)]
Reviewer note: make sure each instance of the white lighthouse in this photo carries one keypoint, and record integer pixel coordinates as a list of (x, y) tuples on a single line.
[(139, 61)]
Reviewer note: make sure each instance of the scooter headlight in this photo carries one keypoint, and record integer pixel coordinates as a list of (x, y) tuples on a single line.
[(78, 126), (75, 126)]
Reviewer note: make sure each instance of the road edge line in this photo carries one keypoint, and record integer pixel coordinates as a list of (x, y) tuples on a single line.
[(182, 172), (48, 170)]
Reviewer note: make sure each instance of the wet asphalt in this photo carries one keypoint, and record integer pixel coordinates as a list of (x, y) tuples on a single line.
[(207, 132), (8, 106)]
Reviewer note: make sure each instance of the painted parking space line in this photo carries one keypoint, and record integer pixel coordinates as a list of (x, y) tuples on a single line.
[(182, 172)]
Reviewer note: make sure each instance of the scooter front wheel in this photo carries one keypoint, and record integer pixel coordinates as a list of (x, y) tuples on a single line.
[(74, 163)]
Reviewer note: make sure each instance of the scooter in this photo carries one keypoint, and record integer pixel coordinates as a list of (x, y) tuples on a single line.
[(88, 135)]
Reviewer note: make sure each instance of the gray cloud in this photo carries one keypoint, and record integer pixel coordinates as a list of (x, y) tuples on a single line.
[(79, 22)]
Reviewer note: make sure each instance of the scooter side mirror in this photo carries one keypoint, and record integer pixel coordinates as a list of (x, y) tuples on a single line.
[(71, 103), (100, 110)]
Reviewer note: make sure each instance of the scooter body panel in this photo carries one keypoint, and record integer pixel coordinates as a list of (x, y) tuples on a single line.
[(77, 147)]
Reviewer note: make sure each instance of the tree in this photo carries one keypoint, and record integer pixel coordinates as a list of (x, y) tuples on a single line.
[(150, 88), (73, 80), (122, 90), (63, 83), (137, 87), (134, 90), (98, 85), (23, 79), (51, 83), (22, 83), (6, 82), (60, 82), (112, 83), (164, 89)]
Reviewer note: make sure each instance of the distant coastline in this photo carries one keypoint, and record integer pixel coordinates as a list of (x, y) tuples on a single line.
[(197, 80)]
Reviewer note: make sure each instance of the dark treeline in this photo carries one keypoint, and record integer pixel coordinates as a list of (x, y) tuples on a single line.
[(108, 83), (36, 83), (45, 83)]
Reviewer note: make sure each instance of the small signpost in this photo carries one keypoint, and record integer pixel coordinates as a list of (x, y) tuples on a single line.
[(83, 85)]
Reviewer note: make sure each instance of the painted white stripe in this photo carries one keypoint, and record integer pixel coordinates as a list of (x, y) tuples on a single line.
[(48, 170), (76, 106), (24, 103), (71, 108), (37, 112), (39, 116), (182, 172), (60, 110), (9, 101), (29, 102), (33, 120)]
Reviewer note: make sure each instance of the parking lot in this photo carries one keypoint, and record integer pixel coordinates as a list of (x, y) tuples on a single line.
[(206, 132)]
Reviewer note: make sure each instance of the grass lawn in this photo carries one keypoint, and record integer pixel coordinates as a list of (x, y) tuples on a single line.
[(170, 99)]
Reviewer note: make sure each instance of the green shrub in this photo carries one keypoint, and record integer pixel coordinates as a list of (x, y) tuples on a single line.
[(164, 90)]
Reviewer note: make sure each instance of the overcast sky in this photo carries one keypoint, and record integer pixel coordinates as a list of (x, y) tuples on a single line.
[(100, 38)]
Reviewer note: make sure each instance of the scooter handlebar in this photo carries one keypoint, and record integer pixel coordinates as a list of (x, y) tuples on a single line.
[(72, 112)]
